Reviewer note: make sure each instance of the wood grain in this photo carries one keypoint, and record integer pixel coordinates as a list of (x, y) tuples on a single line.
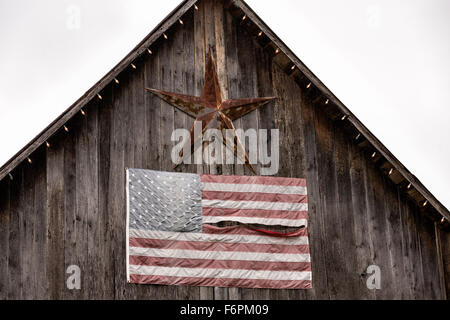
[(4, 237)]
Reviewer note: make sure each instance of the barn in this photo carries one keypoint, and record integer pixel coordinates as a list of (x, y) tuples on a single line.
[(63, 196)]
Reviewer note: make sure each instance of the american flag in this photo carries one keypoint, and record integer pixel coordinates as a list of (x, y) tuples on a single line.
[(173, 239)]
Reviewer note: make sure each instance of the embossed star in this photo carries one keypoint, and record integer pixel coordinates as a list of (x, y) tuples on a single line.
[(214, 112)]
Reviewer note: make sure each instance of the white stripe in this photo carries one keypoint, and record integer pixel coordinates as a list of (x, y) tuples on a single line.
[(231, 187), (251, 220), (230, 204), (219, 255), (221, 273), (226, 238)]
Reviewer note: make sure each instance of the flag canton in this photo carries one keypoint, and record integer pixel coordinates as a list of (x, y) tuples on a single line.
[(164, 201)]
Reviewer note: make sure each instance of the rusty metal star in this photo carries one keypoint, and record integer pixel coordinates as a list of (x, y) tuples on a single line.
[(214, 112)]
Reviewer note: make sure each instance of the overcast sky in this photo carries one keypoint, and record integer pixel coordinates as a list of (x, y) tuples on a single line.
[(387, 61)]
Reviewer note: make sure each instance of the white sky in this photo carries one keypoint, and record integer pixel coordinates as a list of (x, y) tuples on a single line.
[(387, 61)]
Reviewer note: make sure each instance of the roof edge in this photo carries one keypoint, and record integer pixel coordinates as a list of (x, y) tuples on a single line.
[(241, 4), (59, 122)]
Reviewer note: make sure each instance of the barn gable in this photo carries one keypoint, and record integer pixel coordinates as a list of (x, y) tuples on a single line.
[(63, 201)]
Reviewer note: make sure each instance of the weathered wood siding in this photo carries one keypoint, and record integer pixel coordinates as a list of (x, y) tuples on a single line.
[(68, 206)]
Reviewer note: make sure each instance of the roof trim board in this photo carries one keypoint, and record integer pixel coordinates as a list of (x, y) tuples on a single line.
[(159, 31)]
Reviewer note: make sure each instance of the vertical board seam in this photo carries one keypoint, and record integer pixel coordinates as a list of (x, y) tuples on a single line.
[(127, 225)]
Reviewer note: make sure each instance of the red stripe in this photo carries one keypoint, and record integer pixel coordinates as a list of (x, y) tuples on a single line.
[(219, 264), (207, 228), (254, 180), (254, 213), (254, 196), (217, 246), (214, 282)]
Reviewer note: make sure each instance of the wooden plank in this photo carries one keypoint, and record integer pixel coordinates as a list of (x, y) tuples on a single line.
[(265, 89), (94, 223), (220, 45), (79, 228), (445, 244), (178, 64), (21, 213), (394, 240), (15, 259), (209, 47), (227, 54), (441, 267), (199, 71), (280, 119), (296, 139), (410, 219), (377, 226), (328, 198), (40, 226), (234, 90), (116, 193), (371, 224), (57, 124), (106, 265), (188, 72), (167, 110), (347, 243), (246, 83), (4, 237), (220, 19), (27, 233), (316, 213), (430, 263), (55, 220), (363, 244), (138, 93), (408, 266), (75, 249), (153, 114)]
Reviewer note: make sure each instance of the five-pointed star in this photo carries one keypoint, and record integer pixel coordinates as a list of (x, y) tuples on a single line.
[(212, 111)]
